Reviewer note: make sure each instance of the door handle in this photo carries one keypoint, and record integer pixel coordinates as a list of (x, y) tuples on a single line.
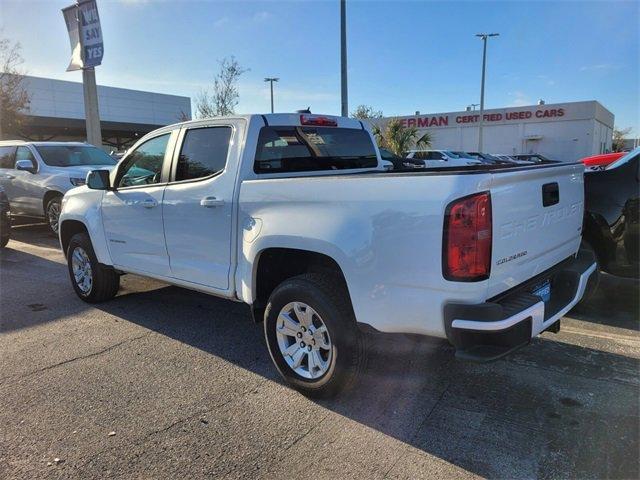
[(209, 202), (149, 203)]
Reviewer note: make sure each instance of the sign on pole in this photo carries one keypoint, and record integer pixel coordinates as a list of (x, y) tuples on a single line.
[(85, 35)]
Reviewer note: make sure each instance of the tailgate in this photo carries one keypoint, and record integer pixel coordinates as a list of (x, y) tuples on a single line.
[(537, 222)]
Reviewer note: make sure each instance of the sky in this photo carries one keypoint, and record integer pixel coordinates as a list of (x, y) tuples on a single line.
[(402, 56)]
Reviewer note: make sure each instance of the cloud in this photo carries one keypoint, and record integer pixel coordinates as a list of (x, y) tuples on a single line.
[(599, 66), (546, 80), (134, 2), (263, 16), (222, 21), (520, 99)]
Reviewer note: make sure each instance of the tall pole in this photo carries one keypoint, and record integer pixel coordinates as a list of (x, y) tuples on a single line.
[(271, 80), (484, 37), (91, 112), (343, 58)]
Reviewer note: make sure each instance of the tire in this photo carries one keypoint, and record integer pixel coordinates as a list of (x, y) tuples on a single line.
[(594, 279), (52, 214), (103, 283), (340, 354)]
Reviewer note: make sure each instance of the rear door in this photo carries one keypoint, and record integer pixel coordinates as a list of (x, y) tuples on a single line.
[(537, 221), (198, 204), (7, 171), (132, 213)]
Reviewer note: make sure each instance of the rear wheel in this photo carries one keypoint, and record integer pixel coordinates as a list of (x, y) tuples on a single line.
[(52, 213), (91, 281), (312, 335)]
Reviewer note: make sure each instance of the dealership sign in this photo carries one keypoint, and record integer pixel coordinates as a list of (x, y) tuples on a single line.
[(470, 118), (85, 35)]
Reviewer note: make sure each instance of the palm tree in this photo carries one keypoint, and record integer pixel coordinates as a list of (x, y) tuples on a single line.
[(398, 139)]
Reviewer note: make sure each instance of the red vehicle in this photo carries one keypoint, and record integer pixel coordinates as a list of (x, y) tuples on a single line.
[(602, 160)]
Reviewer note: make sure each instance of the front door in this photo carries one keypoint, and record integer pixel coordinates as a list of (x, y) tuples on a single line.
[(132, 213), (197, 206), (26, 186)]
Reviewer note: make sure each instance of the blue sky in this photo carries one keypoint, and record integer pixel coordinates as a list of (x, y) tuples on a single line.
[(403, 56)]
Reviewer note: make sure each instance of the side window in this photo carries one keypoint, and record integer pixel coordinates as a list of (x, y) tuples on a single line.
[(144, 165), (421, 155), (7, 157), (203, 153), (24, 153)]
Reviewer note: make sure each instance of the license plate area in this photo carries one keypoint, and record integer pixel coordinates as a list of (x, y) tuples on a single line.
[(542, 290)]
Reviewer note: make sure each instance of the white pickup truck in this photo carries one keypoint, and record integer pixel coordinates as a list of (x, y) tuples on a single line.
[(294, 215)]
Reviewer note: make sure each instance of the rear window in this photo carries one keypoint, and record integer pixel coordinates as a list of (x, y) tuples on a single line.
[(306, 149), (73, 155)]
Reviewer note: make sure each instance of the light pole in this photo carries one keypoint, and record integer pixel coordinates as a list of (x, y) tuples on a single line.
[(473, 106), (343, 58), (484, 37), (271, 80)]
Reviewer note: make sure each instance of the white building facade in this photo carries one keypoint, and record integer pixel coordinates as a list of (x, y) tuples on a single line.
[(560, 131), (56, 111)]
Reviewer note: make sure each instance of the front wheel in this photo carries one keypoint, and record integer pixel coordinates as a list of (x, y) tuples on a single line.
[(91, 281), (312, 335), (52, 211)]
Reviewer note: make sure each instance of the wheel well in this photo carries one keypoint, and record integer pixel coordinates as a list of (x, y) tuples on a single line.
[(47, 197), (67, 230), (275, 265)]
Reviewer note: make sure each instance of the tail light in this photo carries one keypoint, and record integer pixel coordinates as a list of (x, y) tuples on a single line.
[(318, 121), (466, 254)]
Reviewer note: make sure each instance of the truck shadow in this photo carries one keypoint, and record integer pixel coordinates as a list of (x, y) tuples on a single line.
[(37, 234), (616, 303), (545, 411)]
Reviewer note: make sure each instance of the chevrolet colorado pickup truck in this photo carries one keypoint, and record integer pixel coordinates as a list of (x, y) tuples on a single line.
[(294, 215)]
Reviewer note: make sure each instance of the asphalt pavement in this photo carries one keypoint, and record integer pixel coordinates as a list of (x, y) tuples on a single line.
[(162, 382)]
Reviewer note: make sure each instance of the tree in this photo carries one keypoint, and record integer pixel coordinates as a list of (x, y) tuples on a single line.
[(397, 138), (225, 94), (619, 136), (14, 99), (364, 112)]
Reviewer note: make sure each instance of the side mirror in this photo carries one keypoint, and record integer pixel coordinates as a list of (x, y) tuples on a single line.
[(98, 180), (26, 166)]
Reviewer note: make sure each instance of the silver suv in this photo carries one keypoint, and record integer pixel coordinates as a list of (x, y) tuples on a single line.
[(35, 175)]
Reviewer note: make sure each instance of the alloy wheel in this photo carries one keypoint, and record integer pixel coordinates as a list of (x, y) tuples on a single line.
[(82, 272), (303, 340)]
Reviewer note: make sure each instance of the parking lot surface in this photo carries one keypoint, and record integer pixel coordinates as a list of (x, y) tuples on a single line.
[(164, 383)]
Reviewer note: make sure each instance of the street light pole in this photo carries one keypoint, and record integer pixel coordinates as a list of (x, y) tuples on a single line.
[(484, 37), (343, 58), (271, 80)]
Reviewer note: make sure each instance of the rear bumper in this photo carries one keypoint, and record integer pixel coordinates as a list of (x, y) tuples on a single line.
[(490, 330)]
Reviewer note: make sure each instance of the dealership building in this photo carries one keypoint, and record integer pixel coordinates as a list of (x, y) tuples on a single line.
[(56, 112), (561, 131)]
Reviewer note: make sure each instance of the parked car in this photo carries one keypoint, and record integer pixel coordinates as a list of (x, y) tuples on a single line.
[(602, 160), (511, 159), (5, 219), (401, 163), (293, 215), (534, 157), (486, 158), (440, 158), (35, 175), (612, 218)]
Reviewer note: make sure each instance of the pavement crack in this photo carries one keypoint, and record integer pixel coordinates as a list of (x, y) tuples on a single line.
[(74, 359)]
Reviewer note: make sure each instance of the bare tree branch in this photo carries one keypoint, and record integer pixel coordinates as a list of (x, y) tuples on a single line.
[(225, 94), (14, 99)]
